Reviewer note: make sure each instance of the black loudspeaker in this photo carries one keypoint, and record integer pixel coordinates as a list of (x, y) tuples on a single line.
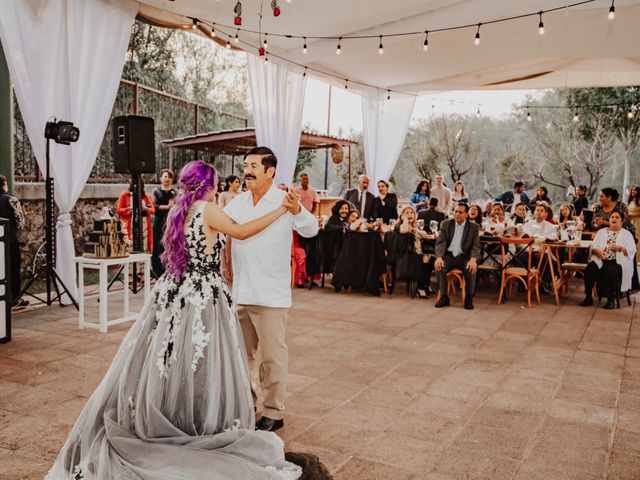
[(134, 149)]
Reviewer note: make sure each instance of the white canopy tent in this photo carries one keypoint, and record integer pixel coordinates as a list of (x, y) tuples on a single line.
[(65, 57), (580, 48)]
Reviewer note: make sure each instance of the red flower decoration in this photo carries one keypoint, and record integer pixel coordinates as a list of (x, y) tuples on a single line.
[(237, 20), (261, 51), (276, 11)]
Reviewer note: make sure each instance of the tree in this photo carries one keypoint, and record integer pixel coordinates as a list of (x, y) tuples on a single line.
[(610, 106)]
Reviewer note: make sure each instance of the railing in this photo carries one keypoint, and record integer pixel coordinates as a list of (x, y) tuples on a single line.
[(174, 117)]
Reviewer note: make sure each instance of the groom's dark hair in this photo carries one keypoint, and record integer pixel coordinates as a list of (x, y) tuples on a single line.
[(268, 157)]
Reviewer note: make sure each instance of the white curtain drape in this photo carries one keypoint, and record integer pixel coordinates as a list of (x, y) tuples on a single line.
[(277, 95), (65, 59), (385, 124)]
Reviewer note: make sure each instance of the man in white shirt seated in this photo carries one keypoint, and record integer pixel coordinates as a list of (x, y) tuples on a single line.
[(541, 230), (262, 279)]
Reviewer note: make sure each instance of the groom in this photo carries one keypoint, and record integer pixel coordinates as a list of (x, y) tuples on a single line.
[(262, 278)]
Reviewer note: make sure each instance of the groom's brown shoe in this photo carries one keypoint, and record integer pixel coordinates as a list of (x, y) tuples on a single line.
[(269, 424)]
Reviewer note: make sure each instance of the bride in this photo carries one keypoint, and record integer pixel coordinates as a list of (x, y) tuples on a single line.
[(176, 401)]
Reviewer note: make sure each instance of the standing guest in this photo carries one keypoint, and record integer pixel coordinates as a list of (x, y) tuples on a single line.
[(542, 195), (11, 209), (475, 214), (443, 194), (262, 279), (231, 190), (432, 213), (565, 214), (458, 195), (520, 214), (458, 246), (361, 198), (162, 201), (633, 206), (608, 202), (339, 218), (612, 261), (307, 195), (124, 209), (511, 198), (386, 203), (581, 201), (420, 198)]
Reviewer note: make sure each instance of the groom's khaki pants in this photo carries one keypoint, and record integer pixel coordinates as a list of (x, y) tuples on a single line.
[(265, 327)]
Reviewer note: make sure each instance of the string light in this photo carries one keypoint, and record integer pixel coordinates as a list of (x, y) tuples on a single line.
[(612, 10), (228, 45), (425, 45), (304, 74), (265, 45), (339, 48), (304, 47), (194, 24), (266, 58), (541, 25), (477, 39), (433, 104), (576, 118), (529, 117), (478, 111), (380, 47), (630, 113), (236, 39), (346, 83), (388, 94)]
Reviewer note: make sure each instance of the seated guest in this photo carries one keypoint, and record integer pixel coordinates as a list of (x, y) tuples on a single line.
[(11, 209), (611, 266), (608, 202), (339, 216), (432, 213), (497, 222), (475, 214), (386, 203), (565, 214), (458, 246), (542, 195), (487, 209), (520, 213), (408, 225), (420, 198), (511, 198), (361, 199), (354, 222), (581, 201), (539, 229), (124, 209), (458, 195)]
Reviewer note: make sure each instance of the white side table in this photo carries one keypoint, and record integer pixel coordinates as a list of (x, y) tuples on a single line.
[(101, 264)]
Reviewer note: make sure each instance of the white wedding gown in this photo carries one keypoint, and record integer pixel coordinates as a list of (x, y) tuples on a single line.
[(176, 401)]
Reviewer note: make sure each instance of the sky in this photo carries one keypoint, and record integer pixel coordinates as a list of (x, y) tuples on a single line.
[(346, 111)]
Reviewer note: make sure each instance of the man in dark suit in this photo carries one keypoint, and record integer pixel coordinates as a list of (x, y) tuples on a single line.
[(361, 198), (581, 201), (511, 198), (431, 213), (458, 246)]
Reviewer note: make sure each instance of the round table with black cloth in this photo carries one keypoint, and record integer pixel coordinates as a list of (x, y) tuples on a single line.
[(405, 263), (323, 250), (361, 262)]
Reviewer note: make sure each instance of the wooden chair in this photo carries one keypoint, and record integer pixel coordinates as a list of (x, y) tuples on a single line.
[(452, 276), (515, 270), (568, 270)]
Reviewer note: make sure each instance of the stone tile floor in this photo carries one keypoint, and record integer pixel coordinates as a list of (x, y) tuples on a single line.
[(387, 388)]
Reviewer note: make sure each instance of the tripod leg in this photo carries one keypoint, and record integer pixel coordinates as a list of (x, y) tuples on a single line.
[(64, 288), (115, 277)]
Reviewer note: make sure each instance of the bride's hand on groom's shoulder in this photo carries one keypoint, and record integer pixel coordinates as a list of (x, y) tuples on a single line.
[(291, 203)]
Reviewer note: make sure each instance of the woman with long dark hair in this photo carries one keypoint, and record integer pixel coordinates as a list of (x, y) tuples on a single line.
[(176, 401), (420, 198)]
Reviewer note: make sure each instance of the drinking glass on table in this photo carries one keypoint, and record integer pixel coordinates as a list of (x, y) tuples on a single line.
[(420, 224), (433, 226)]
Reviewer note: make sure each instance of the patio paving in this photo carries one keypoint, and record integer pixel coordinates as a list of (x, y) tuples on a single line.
[(387, 388)]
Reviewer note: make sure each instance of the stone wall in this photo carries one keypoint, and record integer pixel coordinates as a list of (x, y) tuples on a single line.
[(91, 201)]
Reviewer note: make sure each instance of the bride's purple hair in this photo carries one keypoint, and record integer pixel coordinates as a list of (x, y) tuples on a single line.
[(195, 180)]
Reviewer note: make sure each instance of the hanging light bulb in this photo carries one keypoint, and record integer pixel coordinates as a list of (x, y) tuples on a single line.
[(576, 118), (346, 83), (477, 39), (228, 45), (195, 24), (425, 45), (265, 45), (612, 10), (630, 113), (213, 31), (541, 25), (304, 74), (304, 47), (529, 117), (339, 48), (388, 94), (433, 104), (236, 39), (380, 47), (266, 58), (478, 111)]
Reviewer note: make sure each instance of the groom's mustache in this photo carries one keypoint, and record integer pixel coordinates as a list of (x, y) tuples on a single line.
[(249, 177)]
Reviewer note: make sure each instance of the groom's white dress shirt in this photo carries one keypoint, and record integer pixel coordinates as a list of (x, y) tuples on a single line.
[(262, 263)]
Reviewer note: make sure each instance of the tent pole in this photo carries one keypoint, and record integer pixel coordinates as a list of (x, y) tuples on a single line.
[(349, 166), (6, 122), (326, 150)]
